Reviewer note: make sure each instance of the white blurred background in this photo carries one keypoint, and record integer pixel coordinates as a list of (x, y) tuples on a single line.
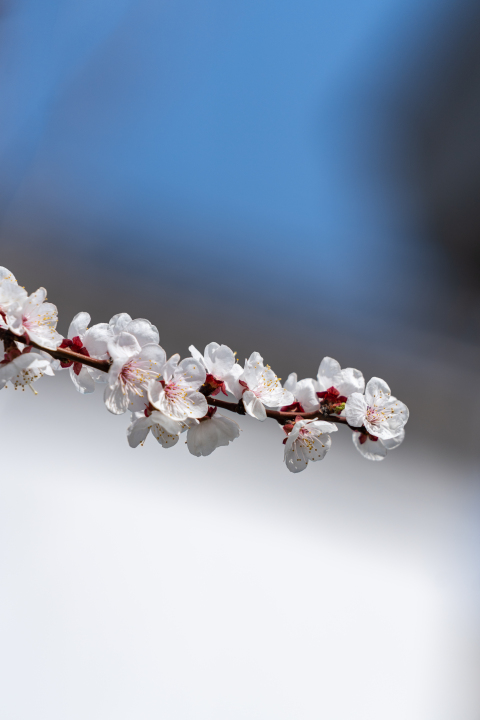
[(150, 583), (299, 179)]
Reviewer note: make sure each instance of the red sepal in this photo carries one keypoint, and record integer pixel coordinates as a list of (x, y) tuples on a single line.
[(294, 407)]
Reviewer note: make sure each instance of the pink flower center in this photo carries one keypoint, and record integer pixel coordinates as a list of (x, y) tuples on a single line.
[(374, 415)]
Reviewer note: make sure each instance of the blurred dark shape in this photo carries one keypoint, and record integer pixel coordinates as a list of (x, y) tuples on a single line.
[(449, 161)]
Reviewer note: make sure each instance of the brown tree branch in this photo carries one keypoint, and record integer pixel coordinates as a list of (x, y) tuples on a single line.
[(104, 365), (59, 354)]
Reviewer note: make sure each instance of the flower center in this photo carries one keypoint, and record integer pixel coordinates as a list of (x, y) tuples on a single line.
[(175, 392), (374, 415), (134, 377)]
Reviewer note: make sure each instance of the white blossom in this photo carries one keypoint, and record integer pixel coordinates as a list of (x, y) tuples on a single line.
[(375, 448), (7, 275), (303, 391), (91, 342), (382, 414), (258, 386), (12, 295), (137, 361), (165, 430), (307, 440), (36, 319), (177, 395), (336, 384), (212, 431), (223, 372), (21, 369)]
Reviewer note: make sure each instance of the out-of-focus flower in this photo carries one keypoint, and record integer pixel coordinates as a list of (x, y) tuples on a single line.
[(36, 319), (303, 391), (12, 295), (258, 387), (307, 440), (375, 448), (22, 368), (211, 432), (137, 361), (177, 396), (382, 415), (222, 370)]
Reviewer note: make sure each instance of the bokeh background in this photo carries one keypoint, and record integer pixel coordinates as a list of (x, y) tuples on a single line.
[(300, 179)]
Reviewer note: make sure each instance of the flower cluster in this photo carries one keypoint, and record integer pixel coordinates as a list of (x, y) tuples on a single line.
[(173, 396)]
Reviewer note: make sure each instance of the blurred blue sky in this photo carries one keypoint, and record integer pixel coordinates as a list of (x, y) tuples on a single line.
[(276, 140)]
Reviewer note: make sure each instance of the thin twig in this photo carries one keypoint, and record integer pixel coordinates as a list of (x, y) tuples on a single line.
[(238, 408)]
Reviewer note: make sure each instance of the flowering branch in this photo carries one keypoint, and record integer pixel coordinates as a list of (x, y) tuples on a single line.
[(62, 354), (285, 417), (169, 397)]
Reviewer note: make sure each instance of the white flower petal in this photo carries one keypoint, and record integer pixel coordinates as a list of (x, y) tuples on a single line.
[(204, 438), (170, 367), (253, 406), (96, 340), (116, 399), (219, 360), (322, 426), (196, 355), (370, 449), (377, 392), (138, 431), (291, 383), (6, 275), (392, 443), (319, 447), (78, 326), (232, 383), (326, 372), (119, 322), (196, 405), (153, 355), (165, 438), (356, 410), (143, 331), (306, 395), (190, 374), (83, 382), (155, 392), (295, 459), (123, 346), (253, 370), (171, 426), (349, 381)]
